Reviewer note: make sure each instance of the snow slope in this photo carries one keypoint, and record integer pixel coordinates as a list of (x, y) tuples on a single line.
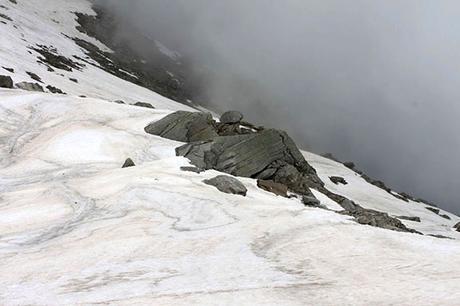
[(76, 229)]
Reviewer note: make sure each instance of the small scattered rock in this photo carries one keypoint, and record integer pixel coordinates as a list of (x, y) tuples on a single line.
[(271, 186), (444, 216), (119, 102), (350, 165), (338, 180), (82, 96), (128, 163), (30, 86), (231, 117), (457, 227), (144, 104), (311, 201), (435, 210), (413, 219), (8, 69), (73, 80), (227, 184), (34, 76), (6, 81), (191, 169), (440, 236), (55, 90)]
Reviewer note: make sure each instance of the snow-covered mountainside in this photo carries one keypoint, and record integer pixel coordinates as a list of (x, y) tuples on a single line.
[(78, 229)]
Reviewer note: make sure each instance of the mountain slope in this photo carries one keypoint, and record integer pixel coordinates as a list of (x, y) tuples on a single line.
[(76, 228)]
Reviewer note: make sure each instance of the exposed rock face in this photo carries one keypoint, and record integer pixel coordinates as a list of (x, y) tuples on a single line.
[(373, 217), (184, 126), (271, 186), (128, 163), (144, 104), (6, 81), (227, 184), (231, 117), (338, 180), (33, 76), (269, 154), (350, 165), (30, 86)]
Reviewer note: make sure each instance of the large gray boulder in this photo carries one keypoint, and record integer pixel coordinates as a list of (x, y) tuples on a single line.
[(6, 81), (231, 117), (227, 184), (184, 126), (261, 155)]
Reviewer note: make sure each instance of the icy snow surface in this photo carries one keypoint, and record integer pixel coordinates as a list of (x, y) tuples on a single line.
[(76, 229)]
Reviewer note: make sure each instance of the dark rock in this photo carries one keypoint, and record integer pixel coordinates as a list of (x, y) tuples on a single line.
[(5, 17), (231, 117), (49, 56), (6, 81), (376, 218), (55, 90), (440, 236), (435, 210), (184, 126), (30, 86), (191, 169), (82, 96), (119, 102), (14, 1), (413, 219), (143, 104), (128, 163), (457, 227), (311, 201), (73, 80), (350, 165), (338, 180), (8, 69), (444, 216), (271, 186), (34, 76), (269, 151), (227, 184)]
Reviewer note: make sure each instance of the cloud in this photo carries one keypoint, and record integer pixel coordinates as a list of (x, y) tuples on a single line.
[(371, 81)]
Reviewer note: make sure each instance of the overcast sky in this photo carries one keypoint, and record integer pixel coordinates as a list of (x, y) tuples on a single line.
[(376, 82)]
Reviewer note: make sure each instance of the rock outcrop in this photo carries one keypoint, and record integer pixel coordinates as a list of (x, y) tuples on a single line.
[(184, 126), (267, 155), (338, 180), (227, 184), (30, 86), (144, 104), (6, 81), (271, 186)]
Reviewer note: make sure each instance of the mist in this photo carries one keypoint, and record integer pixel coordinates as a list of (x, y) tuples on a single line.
[(375, 82)]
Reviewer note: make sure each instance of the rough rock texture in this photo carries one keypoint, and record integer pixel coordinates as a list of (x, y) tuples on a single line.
[(191, 169), (338, 180), (30, 86), (227, 184), (8, 69), (231, 117), (144, 104), (373, 217), (34, 76), (414, 219), (54, 90), (128, 163), (269, 154), (457, 227), (311, 201), (6, 81), (271, 186), (184, 126)]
